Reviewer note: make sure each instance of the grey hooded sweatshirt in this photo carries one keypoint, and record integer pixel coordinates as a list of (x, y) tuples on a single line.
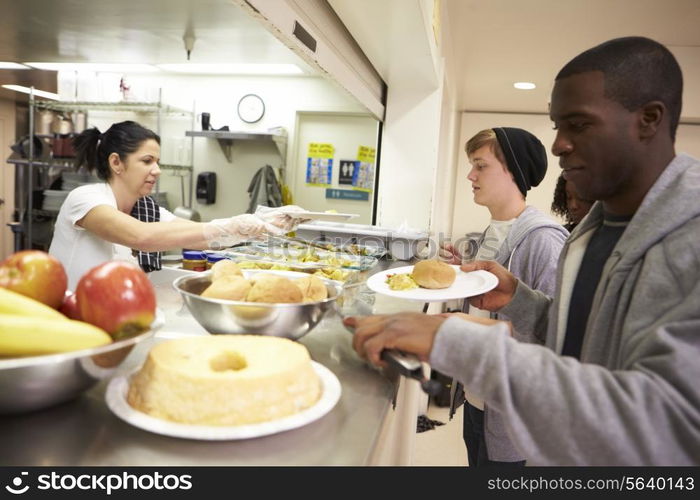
[(634, 398), (530, 251)]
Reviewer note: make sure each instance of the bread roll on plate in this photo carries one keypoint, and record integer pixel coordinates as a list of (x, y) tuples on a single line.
[(433, 274)]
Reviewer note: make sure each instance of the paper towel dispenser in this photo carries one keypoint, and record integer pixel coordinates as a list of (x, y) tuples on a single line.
[(206, 188)]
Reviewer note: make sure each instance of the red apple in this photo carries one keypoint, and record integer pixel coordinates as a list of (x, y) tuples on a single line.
[(70, 306), (118, 297), (35, 274)]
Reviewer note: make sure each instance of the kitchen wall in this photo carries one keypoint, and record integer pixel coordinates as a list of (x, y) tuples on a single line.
[(415, 147), (470, 217), (219, 95), (346, 132), (7, 176)]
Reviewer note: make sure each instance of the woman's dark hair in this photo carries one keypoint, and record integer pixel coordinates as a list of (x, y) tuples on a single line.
[(93, 148), (559, 202)]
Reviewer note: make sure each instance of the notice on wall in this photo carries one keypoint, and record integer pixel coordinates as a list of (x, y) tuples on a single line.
[(346, 194), (363, 177), (319, 164), (346, 172)]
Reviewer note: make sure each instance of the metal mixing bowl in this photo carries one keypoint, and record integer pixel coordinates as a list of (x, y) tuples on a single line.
[(232, 317), (37, 382)]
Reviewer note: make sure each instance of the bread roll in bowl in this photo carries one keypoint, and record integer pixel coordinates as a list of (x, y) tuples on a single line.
[(312, 288), (274, 289), (228, 287), (223, 268), (433, 274)]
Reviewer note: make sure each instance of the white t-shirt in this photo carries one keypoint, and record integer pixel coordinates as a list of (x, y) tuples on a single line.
[(80, 250), (495, 235)]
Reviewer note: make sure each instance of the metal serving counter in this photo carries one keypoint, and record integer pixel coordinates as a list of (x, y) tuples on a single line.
[(86, 432)]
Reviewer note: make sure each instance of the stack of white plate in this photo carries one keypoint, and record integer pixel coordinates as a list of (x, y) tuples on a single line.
[(72, 180), (53, 199)]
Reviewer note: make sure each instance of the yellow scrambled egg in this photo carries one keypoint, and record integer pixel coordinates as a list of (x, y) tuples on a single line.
[(401, 282)]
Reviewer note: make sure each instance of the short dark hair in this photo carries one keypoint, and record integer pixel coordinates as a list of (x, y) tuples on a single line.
[(636, 70), (93, 148)]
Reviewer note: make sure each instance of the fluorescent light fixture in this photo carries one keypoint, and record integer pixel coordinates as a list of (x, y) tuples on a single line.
[(232, 69), (524, 85), (27, 90), (96, 67), (12, 65)]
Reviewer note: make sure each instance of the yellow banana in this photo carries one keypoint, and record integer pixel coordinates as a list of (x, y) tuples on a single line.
[(16, 303), (26, 336)]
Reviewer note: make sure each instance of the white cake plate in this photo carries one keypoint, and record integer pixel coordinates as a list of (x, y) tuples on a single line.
[(119, 386)]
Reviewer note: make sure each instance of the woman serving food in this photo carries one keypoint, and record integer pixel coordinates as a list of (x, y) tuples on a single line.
[(117, 219)]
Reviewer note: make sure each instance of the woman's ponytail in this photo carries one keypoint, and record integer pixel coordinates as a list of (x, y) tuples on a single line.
[(86, 146)]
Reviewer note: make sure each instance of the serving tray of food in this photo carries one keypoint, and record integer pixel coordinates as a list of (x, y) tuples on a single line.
[(308, 256)]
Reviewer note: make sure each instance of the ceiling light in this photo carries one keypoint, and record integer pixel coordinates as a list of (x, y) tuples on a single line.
[(12, 65), (189, 43), (96, 67), (37, 93), (524, 85), (233, 69)]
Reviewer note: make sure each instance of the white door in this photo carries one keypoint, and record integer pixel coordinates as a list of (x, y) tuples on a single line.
[(346, 133), (7, 176)]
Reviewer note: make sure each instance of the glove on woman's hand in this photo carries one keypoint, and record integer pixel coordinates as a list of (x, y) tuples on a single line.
[(222, 233), (282, 218)]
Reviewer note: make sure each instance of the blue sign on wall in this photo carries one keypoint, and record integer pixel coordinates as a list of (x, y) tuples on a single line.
[(347, 194)]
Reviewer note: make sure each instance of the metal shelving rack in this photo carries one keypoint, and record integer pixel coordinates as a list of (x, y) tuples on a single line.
[(26, 175), (226, 139)]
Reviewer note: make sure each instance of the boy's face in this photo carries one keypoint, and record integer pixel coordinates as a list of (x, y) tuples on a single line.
[(596, 137), (492, 182)]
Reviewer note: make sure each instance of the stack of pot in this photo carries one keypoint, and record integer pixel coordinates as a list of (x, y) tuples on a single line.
[(63, 127)]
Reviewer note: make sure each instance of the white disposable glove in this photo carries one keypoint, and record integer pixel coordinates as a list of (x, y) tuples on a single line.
[(283, 218), (222, 233)]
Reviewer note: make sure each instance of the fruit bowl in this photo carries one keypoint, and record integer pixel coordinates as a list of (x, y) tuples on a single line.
[(219, 316), (36, 382)]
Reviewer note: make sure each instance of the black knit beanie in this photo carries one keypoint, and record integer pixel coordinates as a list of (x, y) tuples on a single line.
[(525, 156)]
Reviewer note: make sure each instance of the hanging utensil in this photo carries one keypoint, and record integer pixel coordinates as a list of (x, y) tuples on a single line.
[(184, 211)]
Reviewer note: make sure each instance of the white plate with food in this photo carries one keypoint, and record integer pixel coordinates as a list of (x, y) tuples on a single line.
[(119, 386), (464, 285), (324, 216)]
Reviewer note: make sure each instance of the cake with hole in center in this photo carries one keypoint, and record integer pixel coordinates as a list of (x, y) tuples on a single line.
[(225, 380)]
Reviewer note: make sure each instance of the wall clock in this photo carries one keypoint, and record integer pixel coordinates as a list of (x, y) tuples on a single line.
[(251, 108)]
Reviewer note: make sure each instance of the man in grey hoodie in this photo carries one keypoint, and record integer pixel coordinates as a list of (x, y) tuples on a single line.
[(618, 381), (506, 163)]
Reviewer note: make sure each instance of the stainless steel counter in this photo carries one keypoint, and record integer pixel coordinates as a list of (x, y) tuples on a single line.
[(85, 432)]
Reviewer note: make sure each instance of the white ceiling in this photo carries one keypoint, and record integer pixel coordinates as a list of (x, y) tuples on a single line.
[(139, 31), (133, 31), (503, 41), (493, 42)]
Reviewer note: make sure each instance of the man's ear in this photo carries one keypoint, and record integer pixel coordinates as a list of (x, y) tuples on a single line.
[(651, 116)]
